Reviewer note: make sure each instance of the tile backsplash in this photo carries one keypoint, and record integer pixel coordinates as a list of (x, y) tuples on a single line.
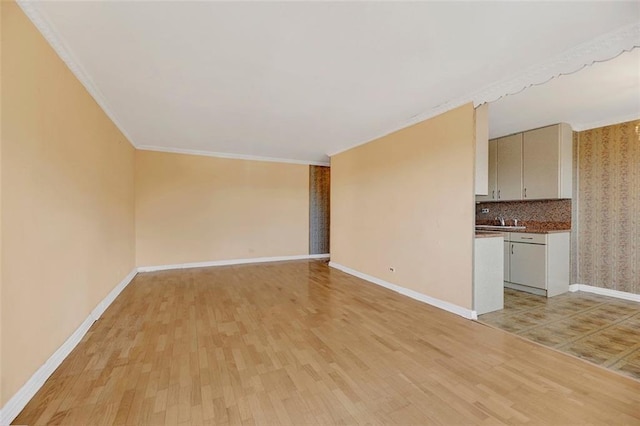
[(528, 211)]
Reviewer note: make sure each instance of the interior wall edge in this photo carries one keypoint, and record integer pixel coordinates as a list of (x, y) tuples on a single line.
[(19, 400), (55, 41), (441, 304)]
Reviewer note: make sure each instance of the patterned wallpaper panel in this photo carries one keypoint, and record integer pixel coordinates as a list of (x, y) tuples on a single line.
[(319, 189), (607, 235)]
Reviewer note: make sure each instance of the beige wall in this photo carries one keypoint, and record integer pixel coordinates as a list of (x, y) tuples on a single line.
[(197, 209), (67, 202), (406, 200)]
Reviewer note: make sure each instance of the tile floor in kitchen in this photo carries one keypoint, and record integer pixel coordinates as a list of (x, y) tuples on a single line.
[(600, 329)]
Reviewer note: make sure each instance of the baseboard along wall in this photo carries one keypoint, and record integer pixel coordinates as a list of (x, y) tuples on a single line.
[(231, 262), (605, 292), (449, 307), (20, 399), (16, 404)]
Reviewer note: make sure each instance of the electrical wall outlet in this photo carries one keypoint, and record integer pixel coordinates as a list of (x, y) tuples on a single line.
[(485, 211)]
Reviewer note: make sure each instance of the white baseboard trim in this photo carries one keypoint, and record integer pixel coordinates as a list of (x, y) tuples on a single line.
[(605, 292), (231, 262), (449, 307), (526, 289), (18, 401)]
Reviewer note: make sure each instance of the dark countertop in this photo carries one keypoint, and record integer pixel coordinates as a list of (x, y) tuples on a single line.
[(532, 227)]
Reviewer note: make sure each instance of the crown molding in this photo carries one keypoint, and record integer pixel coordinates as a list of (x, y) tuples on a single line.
[(579, 127), (229, 156), (56, 42), (600, 49)]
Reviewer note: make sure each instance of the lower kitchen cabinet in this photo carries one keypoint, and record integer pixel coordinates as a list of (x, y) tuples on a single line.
[(488, 281), (537, 263), (528, 264), (507, 252)]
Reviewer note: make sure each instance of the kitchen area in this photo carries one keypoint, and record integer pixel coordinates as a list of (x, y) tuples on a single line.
[(528, 207), (526, 262)]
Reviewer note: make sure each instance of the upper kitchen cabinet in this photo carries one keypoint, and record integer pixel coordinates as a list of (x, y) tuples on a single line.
[(482, 150), (492, 173), (534, 165), (509, 171), (547, 156)]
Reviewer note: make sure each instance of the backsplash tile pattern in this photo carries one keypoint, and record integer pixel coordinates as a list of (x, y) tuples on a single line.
[(608, 207), (529, 211)]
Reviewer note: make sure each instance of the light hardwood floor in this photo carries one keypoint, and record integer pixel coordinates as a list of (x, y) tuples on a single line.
[(301, 343)]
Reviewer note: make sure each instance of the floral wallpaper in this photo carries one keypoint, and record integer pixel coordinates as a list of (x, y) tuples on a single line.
[(606, 240)]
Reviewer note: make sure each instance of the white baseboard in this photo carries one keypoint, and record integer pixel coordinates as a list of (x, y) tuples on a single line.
[(18, 401), (449, 307), (605, 292), (231, 262), (525, 288)]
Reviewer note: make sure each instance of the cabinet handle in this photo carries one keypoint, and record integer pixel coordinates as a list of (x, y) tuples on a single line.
[(526, 238), (498, 194), (525, 193), (493, 194), (511, 248)]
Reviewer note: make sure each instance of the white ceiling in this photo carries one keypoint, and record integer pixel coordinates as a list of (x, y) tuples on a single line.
[(600, 94), (299, 80)]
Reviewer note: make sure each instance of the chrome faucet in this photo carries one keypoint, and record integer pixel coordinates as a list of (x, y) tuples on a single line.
[(501, 219)]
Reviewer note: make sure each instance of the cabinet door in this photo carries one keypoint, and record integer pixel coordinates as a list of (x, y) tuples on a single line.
[(492, 195), (510, 167), (507, 252), (528, 265), (541, 166)]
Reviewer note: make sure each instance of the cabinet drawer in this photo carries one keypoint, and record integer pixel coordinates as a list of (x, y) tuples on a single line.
[(522, 237)]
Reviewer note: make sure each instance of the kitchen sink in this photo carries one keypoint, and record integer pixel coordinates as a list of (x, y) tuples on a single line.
[(498, 227)]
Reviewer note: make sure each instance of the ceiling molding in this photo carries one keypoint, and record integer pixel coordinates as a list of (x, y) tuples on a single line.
[(600, 49), (229, 156), (579, 127), (55, 41)]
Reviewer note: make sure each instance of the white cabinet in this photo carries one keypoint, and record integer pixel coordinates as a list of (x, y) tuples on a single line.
[(534, 165), (482, 148), (509, 168), (537, 263), (507, 252), (492, 174), (488, 281), (547, 157), (528, 264)]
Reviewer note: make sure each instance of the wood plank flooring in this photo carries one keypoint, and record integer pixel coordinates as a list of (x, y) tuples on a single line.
[(301, 343)]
